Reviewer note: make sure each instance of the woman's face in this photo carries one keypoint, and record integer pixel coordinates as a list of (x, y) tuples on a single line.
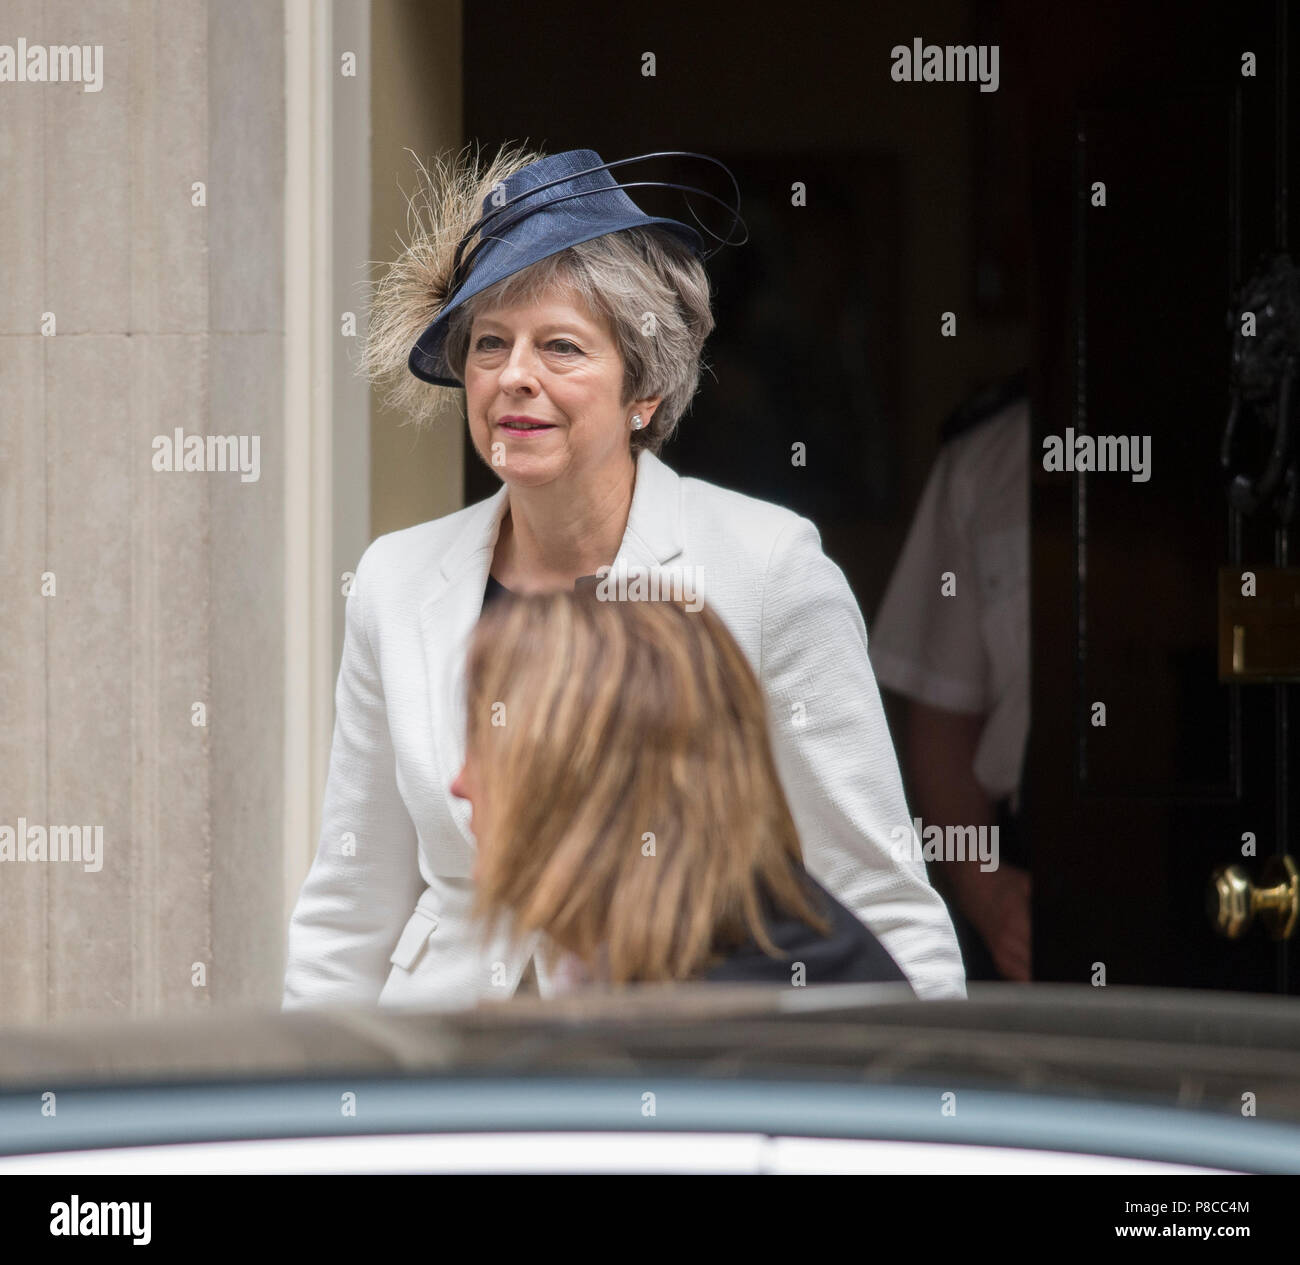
[(553, 362)]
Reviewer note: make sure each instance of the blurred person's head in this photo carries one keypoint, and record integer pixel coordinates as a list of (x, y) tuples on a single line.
[(626, 800)]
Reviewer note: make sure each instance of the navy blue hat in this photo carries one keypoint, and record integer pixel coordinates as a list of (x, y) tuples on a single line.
[(540, 210)]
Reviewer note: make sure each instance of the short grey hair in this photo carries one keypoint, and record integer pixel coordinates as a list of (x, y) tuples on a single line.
[(653, 291)]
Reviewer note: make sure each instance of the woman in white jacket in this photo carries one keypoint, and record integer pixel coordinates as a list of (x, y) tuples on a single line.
[(575, 324)]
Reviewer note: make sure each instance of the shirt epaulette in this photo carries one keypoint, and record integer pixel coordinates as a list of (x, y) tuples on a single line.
[(984, 405)]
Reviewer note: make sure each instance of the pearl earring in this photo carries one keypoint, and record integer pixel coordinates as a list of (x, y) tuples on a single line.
[(637, 423)]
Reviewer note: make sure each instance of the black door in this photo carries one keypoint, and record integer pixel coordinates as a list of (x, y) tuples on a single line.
[(1160, 187)]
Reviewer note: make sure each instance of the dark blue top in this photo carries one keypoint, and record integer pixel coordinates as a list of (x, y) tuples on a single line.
[(850, 954), (496, 589)]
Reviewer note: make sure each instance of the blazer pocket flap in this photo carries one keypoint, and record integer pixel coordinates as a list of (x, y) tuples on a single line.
[(419, 927)]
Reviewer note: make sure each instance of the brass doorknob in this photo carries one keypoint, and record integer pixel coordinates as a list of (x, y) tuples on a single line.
[(1233, 901)]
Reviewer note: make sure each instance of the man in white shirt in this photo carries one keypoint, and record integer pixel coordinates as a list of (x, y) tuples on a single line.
[(952, 636)]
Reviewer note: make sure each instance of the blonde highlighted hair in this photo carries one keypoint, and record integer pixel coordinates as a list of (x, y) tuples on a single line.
[(597, 729), (643, 282)]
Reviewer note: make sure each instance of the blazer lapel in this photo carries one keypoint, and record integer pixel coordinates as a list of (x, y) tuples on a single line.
[(447, 619), (654, 533)]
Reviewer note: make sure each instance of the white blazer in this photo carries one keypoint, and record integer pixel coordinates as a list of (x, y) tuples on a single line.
[(383, 915)]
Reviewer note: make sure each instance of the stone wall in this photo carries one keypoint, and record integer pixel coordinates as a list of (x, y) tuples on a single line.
[(162, 308)]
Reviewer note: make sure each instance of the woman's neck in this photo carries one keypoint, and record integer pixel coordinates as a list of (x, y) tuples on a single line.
[(550, 537)]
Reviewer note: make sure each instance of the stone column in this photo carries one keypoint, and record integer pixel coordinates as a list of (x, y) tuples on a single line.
[(141, 242)]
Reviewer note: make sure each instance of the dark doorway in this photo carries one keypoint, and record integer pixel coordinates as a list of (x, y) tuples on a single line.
[(1133, 337), (930, 200)]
